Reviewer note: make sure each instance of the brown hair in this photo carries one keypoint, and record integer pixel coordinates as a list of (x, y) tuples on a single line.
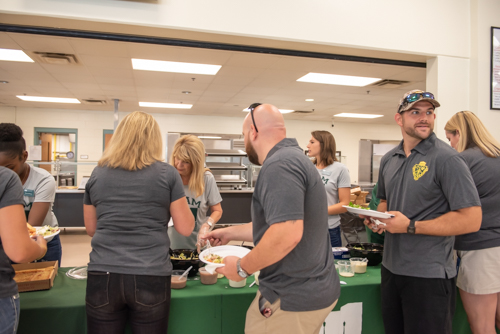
[(472, 133), (135, 144), (328, 147)]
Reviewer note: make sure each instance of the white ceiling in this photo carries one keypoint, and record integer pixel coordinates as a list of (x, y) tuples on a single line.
[(105, 72)]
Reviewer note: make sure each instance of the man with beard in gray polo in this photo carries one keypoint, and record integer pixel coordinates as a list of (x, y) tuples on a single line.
[(298, 283)]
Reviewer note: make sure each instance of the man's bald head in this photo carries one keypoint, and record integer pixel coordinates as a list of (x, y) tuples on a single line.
[(269, 129)]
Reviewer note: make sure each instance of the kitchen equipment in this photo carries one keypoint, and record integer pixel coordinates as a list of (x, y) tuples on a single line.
[(184, 258), (373, 252)]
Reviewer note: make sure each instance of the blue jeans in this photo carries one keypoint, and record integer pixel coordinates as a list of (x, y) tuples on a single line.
[(335, 237), (54, 251), (9, 314), (113, 299)]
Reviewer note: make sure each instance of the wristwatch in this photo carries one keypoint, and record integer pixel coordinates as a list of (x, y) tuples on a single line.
[(240, 270), (411, 227)]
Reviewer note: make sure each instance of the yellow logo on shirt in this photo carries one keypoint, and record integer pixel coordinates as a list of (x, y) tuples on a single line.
[(419, 170)]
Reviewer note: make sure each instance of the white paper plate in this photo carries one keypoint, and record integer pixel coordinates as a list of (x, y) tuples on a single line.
[(223, 251), (370, 213), (47, 237)]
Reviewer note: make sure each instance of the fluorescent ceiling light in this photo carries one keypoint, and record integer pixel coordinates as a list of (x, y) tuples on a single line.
[(47, 99), (334, 79), (209, 137), (14, 55), (309, 100), (172, 66), (165, 105), (283, 111), (344, 114)]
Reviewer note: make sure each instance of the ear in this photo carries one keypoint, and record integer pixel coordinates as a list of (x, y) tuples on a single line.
[(25, 156), (399, 119), (253, 133)]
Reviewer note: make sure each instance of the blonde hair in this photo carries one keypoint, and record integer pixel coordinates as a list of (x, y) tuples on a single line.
[(190, 149), (135, 144), (472, 133)]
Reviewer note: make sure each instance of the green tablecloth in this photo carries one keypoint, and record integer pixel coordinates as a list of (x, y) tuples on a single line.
[(197, 308)]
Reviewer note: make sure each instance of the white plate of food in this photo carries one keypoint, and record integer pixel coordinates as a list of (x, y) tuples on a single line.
[(367, 212), (48, 232), (214, 255)]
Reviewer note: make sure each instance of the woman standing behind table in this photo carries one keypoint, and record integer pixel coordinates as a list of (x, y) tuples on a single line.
[(336, 178), (188, 157), (128, 202), (15, 245), (39, 185), (479, 272)]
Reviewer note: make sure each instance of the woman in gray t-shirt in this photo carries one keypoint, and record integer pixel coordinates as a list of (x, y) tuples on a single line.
[(479, 252), (335, 177), (128, 202), (202, 194)]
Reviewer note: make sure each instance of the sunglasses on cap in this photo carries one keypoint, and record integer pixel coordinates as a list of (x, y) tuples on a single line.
[(414, 97), (251, 108)]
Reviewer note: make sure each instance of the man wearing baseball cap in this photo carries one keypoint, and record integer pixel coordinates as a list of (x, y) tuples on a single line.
[(428, 188)]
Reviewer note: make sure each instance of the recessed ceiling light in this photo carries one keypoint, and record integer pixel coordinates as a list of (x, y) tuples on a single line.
[(175, 67), (165, 105), (344, 114), (47, 99), (4, 82), (186, 92), (209, 137), (334, 79), (309, 100), (283, 111), (14, 55)]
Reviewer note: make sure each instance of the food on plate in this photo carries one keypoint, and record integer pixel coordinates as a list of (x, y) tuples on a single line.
[(31, 229), (182, 256), (214, 258), (45, 230), (33, 274), (352, 205)]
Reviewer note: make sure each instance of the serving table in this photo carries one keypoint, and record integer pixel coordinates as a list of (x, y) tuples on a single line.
[(197, 308)]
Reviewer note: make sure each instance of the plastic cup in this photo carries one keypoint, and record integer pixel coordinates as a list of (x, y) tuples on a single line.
[(206, 277), (358, 265), (178, 282), (345, 269), (239, 284)]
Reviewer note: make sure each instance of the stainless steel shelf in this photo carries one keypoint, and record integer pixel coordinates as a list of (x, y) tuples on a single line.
[(229, 179), (225, 153), (225, 166)]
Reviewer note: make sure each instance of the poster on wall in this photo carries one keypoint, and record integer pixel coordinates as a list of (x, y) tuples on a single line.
[(495, 68)]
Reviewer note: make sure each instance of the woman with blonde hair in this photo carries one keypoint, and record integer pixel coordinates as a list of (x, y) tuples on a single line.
[(479, 252), (202, 194), (335, 177), (128, 202)]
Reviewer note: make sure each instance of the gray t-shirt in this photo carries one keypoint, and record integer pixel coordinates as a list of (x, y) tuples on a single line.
[(40, 187), (199, 207), (289, 188), (334, 176), (133, 210), (430, 182), (486, 174), (11, 193)]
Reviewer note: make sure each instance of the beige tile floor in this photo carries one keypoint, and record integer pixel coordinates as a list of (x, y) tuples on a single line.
[(75, 247)]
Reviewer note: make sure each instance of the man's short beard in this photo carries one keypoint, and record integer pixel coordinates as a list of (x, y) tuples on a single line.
[(252, 155)]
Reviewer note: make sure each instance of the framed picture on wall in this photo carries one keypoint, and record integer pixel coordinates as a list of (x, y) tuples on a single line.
[(495, 69)]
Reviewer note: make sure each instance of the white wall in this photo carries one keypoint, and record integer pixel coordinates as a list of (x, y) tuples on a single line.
[(428, 27), (90, 125)]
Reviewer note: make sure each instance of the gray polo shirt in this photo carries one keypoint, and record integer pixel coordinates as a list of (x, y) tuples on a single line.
[(430, 182), (486, 174), (290, 188)]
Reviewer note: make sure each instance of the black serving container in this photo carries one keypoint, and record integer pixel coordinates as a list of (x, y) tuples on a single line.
[(184, 258), (373, 252)]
